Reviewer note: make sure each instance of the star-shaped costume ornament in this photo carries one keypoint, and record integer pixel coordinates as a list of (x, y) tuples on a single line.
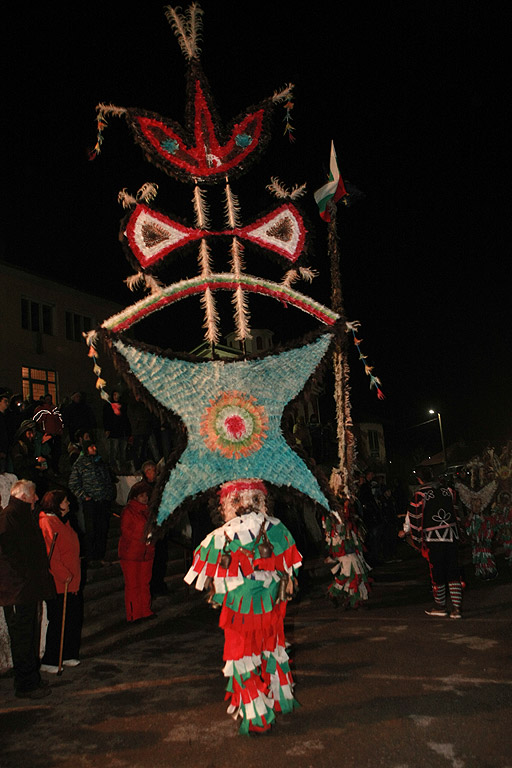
[(232, 412)]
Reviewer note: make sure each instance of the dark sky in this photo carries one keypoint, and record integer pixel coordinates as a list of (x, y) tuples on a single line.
[(410, 93)]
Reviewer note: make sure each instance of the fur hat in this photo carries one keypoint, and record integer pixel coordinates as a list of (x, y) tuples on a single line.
[(23, 427)]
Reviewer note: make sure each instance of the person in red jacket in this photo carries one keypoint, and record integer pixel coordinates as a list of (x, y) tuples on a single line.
[(65, 569), (136, 554)]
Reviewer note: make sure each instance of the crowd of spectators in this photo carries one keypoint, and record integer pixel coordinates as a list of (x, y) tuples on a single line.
[(61, 475)]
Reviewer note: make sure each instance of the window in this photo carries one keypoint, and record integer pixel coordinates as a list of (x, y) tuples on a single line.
[(76, 325), (37, 383), (36, 316), (373, 442)]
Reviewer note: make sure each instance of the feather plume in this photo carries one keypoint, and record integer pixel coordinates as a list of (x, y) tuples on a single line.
[(242, 317), (147, 192), (308, 274), (110, 109), (134, 281), (204, 258), (126, 200), (187, 29), (280, 191), (285, 93), (91, 338), (237, 261), (153, 283), (201, 208), (211, 322), (232, 209), (290, 277)]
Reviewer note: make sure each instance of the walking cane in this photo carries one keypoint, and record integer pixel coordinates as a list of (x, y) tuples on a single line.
[(40, 605), (59, 671)]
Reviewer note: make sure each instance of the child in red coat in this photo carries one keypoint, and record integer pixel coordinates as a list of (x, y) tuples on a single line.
[(136, 554)]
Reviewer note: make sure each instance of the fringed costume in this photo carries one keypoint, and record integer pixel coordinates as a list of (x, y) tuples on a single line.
[(345, 555), (249, 564)]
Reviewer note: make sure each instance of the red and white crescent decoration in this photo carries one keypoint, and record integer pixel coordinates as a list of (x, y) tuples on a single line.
[(152, 235)]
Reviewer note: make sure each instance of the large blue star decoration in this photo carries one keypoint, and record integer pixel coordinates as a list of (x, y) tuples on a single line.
[(232, 412)]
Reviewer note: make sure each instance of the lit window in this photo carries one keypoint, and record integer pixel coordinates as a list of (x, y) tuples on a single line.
[(38, 382)]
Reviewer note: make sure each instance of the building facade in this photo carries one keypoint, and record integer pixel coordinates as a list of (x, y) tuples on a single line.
[(42, 349)]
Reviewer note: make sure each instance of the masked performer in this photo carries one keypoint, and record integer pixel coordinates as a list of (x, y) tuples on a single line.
[(249, 566)]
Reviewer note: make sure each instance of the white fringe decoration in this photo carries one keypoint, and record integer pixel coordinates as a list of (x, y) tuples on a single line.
[(285, 93), (187, 28), (147, 192), (211, 323), (201, 208), (280, 191)]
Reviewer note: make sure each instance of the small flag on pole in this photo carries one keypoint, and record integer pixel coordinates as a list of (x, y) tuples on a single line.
[(334, 189)]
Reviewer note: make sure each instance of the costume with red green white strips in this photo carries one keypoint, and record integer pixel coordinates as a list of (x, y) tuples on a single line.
[(252, 615), (348, 566)]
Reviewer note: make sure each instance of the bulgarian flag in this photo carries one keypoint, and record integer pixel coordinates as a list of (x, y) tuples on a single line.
[(334, 189)]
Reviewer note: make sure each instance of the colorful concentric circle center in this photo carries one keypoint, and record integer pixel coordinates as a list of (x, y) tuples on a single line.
[(234, 424)]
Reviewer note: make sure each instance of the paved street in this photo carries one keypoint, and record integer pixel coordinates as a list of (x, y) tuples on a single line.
[(382, 687)]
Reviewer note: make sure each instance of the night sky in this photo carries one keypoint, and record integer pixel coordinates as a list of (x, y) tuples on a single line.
[(411, 95)]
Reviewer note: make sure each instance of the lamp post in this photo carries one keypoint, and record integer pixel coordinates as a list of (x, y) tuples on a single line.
[(442, 437)]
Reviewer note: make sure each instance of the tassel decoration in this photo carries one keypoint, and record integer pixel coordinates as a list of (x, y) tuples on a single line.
[(375, 383)]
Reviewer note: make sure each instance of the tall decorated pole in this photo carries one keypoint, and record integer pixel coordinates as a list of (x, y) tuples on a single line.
[(326, 198)]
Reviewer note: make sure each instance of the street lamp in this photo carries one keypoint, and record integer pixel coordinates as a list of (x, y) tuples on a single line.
[(442, 437)]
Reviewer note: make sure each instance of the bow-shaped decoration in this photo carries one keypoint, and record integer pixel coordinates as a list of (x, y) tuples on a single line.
[(152, 235)]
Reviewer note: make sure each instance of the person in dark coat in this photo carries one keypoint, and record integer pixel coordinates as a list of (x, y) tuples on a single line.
[(26, 463), (78, 416), (117, 429), (24, 581), (91, 483)]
